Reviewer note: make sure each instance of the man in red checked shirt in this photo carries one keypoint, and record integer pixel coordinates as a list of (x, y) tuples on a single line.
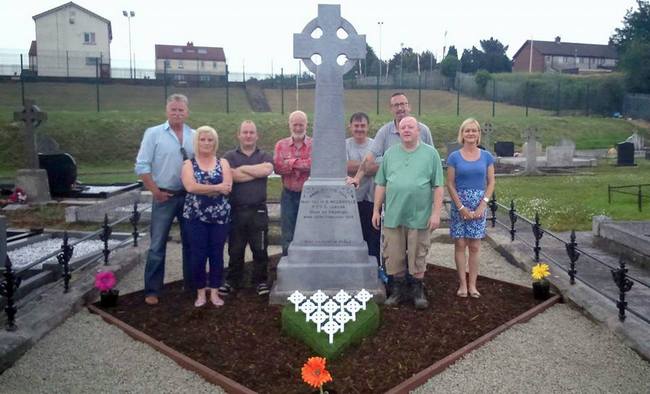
[(292, 161)]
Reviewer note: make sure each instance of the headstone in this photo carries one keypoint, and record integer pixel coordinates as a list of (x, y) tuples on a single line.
[(452, 146), (487, 135), (560, 155), (47, 144), (539, 149), (625, 156), (530, 135), (3, 240), (504, 148), (328, 252), (32, 180), (61, 171)]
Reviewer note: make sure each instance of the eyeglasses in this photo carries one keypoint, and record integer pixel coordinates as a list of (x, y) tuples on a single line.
[(184, 153), (397, 105)]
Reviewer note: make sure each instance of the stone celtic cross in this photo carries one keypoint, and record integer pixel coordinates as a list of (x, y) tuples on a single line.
[(530, 135), (329, 159), (32, 116)]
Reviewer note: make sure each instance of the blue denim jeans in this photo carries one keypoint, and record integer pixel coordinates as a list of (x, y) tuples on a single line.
[(162, 217), (207, 241), (289, 204)]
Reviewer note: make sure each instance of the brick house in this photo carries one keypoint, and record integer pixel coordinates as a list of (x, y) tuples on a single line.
[(190, 64), (566, 57)]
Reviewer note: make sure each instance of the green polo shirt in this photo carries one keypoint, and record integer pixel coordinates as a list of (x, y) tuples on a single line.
[(409, 178)]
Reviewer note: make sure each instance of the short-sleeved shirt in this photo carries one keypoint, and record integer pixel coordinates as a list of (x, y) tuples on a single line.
[(409, 178), (252, 192), (292, 163), (388, 135), (470, 174), (208, 209), (160, 155), (354, 151)]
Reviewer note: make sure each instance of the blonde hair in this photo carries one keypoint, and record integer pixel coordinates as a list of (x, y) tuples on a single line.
[(206, 130), (468, 122)]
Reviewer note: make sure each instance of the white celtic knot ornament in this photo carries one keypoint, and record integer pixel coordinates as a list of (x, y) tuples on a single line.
[(330, 314)]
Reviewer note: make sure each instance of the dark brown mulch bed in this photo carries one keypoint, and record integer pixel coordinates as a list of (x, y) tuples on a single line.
[(243, 339)]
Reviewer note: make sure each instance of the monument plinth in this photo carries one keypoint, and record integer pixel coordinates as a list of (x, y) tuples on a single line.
[(328, 252)]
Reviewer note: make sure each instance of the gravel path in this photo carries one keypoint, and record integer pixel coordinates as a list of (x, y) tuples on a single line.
[(558, 351)]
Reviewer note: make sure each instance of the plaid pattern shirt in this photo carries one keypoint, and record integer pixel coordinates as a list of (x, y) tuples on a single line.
[(292, 163)]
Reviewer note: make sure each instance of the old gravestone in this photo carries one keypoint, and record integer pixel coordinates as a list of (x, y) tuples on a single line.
[(625, 156), (530, 135), (32, 179), (328, 251), (560, 155), (452, 146), (487, 130)]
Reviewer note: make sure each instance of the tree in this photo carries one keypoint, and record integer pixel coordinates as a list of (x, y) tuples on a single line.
[(367, 66), (452, 51), (450, 65), (471, 60), (407, 58), (482, 78), (636, 26), (495, 59), (633, 44)]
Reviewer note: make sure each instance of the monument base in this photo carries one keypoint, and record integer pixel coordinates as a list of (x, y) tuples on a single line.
[(34, 183), (311, 276)]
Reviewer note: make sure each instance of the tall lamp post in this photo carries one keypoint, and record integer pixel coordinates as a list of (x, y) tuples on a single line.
[(129, 15), (380, 23)]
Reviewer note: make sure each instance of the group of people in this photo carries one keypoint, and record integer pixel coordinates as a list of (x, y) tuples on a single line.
[(399, 183)]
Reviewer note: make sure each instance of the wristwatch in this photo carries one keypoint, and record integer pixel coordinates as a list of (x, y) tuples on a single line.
[(487, 200)]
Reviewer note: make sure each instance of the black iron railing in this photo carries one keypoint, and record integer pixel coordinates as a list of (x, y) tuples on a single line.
[(11, 277), (530, 233), (630, 190)]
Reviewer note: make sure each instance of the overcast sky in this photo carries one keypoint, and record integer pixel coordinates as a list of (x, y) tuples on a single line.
[(258, 33)]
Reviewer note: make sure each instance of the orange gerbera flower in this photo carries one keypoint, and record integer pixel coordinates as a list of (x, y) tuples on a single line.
[(314, 372)]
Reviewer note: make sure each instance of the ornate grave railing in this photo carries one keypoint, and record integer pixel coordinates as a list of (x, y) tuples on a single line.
[(530, 233), (629, 189), (11, 277)]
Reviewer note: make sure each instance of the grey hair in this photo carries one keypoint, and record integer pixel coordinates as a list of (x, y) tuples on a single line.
[(178, 97)]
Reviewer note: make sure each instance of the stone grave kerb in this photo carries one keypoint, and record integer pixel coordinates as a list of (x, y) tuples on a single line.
[(328, 252), (328, 150)]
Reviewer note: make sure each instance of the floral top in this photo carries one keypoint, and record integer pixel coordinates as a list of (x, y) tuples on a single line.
[(207, 209)]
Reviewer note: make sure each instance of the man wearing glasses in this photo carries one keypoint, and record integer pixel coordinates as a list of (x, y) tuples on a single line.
[(388, 135), (160, 158)]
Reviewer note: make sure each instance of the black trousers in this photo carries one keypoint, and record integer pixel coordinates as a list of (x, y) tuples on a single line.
[(250, 227), (370, 234)]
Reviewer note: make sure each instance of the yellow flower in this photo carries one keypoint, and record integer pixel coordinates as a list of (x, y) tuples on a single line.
[(540, 271)]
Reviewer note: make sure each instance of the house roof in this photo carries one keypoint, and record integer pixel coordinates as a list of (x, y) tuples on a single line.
[(32, 48), (189, 52), (72, 4), (558, 48)]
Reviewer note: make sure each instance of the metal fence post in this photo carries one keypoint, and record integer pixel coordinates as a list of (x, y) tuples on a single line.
[(8, 290), (557, 99), (458, 96), (513, 219), (135, 218), (573, 257), (165, 81), (494, 95), (538, 232), (526, 96), (377, 100), (282, 91), (97, 80), (105, 236), (227, 92), (493, 208), (624, 285), (587, 99), (64, 260), (22, 81), (419, 94)]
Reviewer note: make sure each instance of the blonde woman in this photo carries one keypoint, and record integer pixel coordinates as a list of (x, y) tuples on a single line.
[(470, 181), (208, 182)]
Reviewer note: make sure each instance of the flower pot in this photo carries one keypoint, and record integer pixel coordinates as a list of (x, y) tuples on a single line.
[(541, 290), (109, 298)]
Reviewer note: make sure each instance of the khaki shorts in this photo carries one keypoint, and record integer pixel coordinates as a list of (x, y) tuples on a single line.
[(397, 241)]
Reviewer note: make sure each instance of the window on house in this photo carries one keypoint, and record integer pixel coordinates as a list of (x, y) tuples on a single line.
[(204, 78), (177, 50), (203, 51), (179, 77), (89, 38), (202, 64), (214, 64), (90, 61), (180, 64)]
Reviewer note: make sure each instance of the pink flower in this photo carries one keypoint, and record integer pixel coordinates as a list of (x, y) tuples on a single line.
[(105, 280)]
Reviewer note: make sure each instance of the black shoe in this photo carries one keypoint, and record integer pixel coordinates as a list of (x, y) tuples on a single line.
[(419, 294), (225, 289), (263, 289), (399, 292)]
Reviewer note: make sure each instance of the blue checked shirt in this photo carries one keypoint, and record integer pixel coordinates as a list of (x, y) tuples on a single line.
[(160, 155)]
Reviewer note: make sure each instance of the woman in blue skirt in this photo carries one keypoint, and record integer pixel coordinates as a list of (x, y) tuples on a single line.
[(470, 181)]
